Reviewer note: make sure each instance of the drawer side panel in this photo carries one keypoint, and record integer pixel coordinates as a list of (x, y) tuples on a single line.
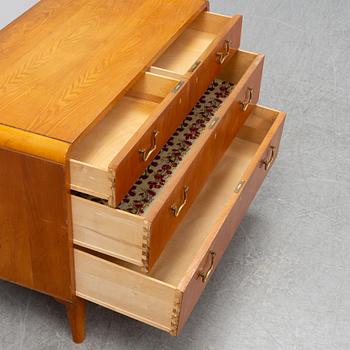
[(226, 227), (125, 291), (109, 231), (203, 158)]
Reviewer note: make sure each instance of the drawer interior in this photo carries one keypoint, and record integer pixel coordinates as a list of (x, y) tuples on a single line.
[(193, 42), (97, 150), (120, 232), (141, 196), (213, 199), (237, 66), (100, 146), (179, 261)]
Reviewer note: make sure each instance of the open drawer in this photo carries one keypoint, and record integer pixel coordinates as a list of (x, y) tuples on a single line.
[(165, 298), (107, 161), (145, 220), (199, 53), (111, 157)]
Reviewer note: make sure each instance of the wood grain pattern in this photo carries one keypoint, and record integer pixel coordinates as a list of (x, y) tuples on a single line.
[(37, 145), (206, 151), (194, 170), (210, 67), (166, 296), (123, 290), (231, 217), (109, 231), (70, 61), (36, 240), (113, 145), (200, 43)]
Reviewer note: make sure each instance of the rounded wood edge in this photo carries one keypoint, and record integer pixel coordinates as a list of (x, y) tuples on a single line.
[(33, 144)]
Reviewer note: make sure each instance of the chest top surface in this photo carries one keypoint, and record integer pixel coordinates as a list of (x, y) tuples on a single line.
[(63, 63)]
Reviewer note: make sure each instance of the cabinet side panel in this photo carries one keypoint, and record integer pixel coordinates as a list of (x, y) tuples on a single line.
[(35, 240)]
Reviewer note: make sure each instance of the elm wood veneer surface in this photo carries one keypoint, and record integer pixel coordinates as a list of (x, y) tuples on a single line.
[(256, 130), (140, 239), (206, 153), (107, 161), (165, 297), (36, 239), (192, 47), (65, 63)]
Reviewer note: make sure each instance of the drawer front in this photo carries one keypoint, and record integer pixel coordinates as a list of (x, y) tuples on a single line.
[(244, 193), (208, 67), (199, 164), (129, 166)]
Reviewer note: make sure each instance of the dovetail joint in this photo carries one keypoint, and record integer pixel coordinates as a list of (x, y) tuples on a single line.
[(146, 242), (111, 200), (175, 317)]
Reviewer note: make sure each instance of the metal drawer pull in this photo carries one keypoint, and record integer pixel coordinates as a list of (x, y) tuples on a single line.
[(205, 275), (246, 104), (222, 56), (178, 86), (194, 66), (267, 163), (146, 154), (239, 186), (177, 210)]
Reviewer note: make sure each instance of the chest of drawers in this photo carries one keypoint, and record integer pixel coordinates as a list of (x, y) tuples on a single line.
[(132, 146)]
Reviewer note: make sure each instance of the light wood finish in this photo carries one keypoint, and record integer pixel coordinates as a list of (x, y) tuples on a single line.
[(64, 65), (52, 84), (40, 146), (114, 232), (166, 297), (36, 239), (236, 207), (107, 162), (200, 44), (159, 222)]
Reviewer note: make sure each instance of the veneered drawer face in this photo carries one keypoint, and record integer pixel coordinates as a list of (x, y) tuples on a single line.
[(107, 161), (166, 297), (139, 229), (201, 51)]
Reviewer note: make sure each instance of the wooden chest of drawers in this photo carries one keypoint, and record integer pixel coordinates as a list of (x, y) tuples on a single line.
[(135, 152)]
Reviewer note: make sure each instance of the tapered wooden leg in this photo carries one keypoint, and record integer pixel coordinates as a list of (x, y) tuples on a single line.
[(76, 312)]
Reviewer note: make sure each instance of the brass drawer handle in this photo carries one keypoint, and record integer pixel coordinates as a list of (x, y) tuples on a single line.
[(146, 154), (177, 210), (205, 275), (246, 104), (267, 163), (223, 55)]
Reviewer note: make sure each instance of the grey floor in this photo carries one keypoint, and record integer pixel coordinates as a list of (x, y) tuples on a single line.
[(284, 283)]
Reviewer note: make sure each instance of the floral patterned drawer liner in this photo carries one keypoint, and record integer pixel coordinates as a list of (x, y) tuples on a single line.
[(170, 156)]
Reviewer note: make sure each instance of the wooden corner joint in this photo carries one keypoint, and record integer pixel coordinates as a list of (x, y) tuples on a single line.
[(111, 177), (175, 317), (146, 243)]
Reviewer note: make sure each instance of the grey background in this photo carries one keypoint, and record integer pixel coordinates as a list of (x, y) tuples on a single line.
[(284, 283)]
